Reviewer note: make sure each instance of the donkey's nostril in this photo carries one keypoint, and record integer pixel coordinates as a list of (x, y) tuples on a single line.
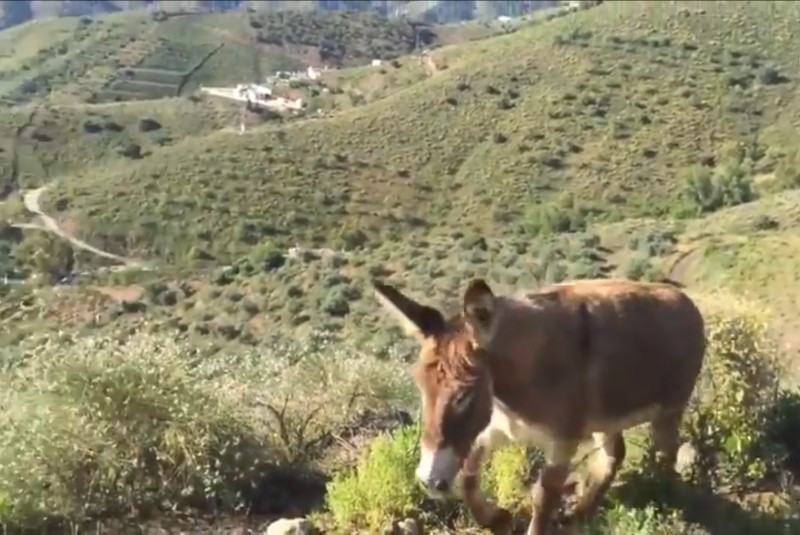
[(441, 485)]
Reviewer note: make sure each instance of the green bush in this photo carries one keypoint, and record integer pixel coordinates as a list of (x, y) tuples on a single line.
[(382, 487), (97, 427), (729, 184), (505, 478), (554, 218), (739, 386), (621, 520), (636, 268)]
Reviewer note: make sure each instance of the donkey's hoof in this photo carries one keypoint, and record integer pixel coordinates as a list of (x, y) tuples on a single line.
[(502, 522)]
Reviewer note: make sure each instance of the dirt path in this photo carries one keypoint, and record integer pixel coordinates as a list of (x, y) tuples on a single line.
[(31, 200), (684, 263)]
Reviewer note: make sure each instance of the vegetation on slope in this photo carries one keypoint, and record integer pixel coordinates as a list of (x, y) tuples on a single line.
[(607, 105), (272, 290), (341, 37), (130, 55), (169, 425), (40, 143)]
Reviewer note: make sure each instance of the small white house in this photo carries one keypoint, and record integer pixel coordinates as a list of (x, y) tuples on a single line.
[(253, 92), (312, 73)]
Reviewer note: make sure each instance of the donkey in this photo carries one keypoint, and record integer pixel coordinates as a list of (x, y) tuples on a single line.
[(571, 362)]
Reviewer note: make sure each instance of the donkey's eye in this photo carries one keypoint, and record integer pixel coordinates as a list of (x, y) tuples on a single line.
[(462, 401)]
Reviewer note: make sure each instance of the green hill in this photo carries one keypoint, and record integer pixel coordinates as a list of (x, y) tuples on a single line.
[(572, 125), (606, 107)]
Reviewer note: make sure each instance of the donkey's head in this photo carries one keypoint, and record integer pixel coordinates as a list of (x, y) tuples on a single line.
[(452, 376)]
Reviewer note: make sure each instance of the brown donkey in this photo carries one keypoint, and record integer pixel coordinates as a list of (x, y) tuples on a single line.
[(572, 361)]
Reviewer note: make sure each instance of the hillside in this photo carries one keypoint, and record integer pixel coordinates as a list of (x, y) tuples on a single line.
[(567, 125), (136, 55), (608, 105), (594, 118), (50, 70)]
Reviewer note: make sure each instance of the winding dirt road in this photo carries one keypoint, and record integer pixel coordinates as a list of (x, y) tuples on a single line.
[(31, 201)]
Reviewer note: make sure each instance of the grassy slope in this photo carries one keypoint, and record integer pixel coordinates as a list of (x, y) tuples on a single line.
[(56, 64), (607, 104), (725, 250), (390, 168), (53, 140), (409, 164)]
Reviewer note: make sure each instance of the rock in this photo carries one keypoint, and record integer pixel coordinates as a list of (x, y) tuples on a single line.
[(409, 526), (687, 456), (289, 526)]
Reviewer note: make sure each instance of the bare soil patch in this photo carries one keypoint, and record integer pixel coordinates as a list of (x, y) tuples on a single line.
[(121, 293)]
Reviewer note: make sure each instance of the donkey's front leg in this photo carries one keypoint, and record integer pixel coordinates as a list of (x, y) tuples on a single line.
[(487, 515), (549, 488)]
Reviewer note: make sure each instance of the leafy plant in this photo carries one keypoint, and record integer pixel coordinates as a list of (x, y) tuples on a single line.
[(382, 487), (737, 390)]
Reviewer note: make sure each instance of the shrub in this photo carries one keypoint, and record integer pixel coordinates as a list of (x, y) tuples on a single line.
[(736, 393), (100, 427), (268, 256), (382, 487), (636, 268), (770, 76), (336, 303), (553, 218), (729, 184), (765, 222), (585, 269), (504, 478), (784, 429), (621, 520), (653, 243)]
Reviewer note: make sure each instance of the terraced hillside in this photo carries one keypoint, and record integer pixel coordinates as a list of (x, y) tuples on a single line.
[(134, 55), (54, 73)]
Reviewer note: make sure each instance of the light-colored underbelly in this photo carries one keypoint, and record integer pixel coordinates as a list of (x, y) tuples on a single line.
[(505, 426)]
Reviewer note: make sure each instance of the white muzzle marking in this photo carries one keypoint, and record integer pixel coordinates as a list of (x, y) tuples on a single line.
[(437, 467)]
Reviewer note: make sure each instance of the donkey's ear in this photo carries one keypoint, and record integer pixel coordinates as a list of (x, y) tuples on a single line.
[(417, 320), (479, 309)]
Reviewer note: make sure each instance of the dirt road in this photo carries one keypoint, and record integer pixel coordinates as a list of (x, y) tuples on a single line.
[(31, 201)]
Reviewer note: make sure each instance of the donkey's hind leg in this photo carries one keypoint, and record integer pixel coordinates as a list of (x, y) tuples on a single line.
[(666, 439), (604, 464)]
